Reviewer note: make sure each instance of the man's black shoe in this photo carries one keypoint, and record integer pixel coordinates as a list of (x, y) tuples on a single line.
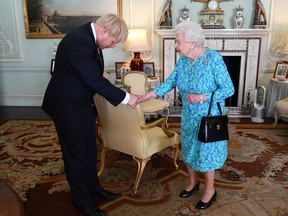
[(105, 194), (91, 210)]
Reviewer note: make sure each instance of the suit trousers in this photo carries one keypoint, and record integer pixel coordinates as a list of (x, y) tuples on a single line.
[(79, 150)]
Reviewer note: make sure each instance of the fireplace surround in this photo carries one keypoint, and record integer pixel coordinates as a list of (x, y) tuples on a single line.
[(242, 43)]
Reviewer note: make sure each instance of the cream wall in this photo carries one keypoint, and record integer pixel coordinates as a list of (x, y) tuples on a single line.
[(23, 78)]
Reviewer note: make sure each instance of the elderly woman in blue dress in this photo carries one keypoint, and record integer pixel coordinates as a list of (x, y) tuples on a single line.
[(198, 72)]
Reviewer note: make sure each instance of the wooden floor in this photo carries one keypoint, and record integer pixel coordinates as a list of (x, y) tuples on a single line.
[(33, 113)]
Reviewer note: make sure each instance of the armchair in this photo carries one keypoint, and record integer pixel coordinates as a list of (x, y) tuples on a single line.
[(280, 110), (138, 82), (135, 137)]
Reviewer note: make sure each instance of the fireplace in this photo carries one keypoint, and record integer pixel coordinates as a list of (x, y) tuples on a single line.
[(240, 50), (233, 64)]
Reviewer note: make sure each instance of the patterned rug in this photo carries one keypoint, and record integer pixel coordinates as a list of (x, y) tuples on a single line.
[(253, 181)]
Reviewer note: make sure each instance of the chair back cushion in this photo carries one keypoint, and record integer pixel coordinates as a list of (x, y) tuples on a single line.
[(120, 127), (137, 80)]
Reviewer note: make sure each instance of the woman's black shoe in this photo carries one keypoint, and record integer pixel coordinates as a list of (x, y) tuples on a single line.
[(185, 193), (202, 205)]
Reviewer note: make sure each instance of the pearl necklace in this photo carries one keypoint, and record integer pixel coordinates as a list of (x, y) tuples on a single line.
[(191, 64)]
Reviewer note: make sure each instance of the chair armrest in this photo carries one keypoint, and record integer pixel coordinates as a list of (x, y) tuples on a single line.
[(157, 122), (178, 102), (160, 122)]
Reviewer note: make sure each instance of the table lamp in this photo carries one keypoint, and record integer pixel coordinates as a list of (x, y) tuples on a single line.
[(136, 42)]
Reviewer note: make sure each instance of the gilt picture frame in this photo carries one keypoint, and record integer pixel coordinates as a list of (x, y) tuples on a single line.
[(149, 69), (281, 71), (53, 19), (120, 68)]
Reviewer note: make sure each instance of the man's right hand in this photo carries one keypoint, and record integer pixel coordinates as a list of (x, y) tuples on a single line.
[(133, 101), (148, 96)]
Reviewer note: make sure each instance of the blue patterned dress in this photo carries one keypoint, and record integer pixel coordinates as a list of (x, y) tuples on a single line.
[(208, 74)]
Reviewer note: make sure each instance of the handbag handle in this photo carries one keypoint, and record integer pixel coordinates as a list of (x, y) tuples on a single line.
[(210, 105)]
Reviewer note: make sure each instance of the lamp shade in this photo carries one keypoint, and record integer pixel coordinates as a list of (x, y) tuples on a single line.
[(136, 41)]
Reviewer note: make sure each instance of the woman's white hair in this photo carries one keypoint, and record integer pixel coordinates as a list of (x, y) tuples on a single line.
[(192, 32)]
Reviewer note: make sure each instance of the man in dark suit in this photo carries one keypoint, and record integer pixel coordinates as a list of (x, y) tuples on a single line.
[(77, 76)]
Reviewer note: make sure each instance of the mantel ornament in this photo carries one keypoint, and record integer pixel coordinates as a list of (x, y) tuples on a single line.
[(238, 19), (260, 19), (185, 15), (166, 16), (211, 17)]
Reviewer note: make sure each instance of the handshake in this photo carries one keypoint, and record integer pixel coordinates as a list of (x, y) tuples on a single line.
[(190, 98), (136, 99)]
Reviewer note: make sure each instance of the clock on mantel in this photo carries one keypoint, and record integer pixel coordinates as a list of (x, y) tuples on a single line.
[(211, 17)]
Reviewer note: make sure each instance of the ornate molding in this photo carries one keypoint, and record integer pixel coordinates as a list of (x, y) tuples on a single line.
[(214, 33), (10, 42)]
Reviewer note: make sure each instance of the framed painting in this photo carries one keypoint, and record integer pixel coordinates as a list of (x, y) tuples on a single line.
[(148, 69), (281, 71), (120, 68), (53, 19)]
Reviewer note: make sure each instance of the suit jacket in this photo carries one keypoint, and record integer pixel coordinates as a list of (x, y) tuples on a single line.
[(77, 76)]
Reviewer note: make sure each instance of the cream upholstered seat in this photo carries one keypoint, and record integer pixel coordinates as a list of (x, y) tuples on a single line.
[(124, 129), (137, 80), (280, 109)]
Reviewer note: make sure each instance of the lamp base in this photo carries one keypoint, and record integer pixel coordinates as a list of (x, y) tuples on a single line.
[(136, 63)]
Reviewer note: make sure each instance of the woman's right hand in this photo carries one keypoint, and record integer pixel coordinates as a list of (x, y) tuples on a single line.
[(148, 96)]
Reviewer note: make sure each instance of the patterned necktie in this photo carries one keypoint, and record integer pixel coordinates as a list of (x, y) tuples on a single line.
[(101, 58)]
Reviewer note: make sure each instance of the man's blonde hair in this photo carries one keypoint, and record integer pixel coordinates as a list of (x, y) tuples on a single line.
[(115, 25)]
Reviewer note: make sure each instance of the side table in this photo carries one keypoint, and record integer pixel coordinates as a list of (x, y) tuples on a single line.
[(277, 90)]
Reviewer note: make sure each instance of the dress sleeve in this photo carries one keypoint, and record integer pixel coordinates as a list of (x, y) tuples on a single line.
[(170, 82), (225, 87)]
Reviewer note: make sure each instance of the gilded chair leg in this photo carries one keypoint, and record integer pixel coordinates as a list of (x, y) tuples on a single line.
[(176, 152), (141, 165), (102, 162)]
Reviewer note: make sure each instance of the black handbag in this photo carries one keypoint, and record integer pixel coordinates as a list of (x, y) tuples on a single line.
[(213, 128)]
